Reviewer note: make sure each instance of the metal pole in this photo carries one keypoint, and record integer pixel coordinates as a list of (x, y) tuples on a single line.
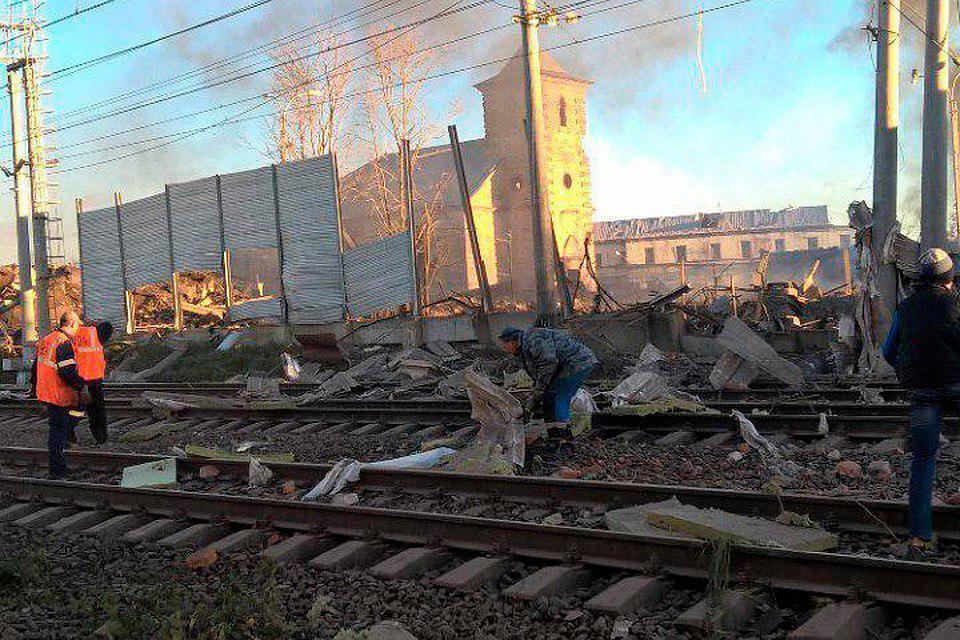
[(479, 266), (933, 192), (886, 124), (38, 190), (529, 21), (406, 186), (21, 194)]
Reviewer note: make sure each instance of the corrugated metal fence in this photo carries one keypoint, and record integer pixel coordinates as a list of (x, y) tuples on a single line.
[(291, 208)]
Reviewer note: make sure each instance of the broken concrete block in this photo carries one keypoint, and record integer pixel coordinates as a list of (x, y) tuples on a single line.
[(634, 520), (259, 475), (732, 373), (714, 524), (443, 350), (161, 473), (849, 469), (642, 386), (880, 470), (196, 451), (741, 340)]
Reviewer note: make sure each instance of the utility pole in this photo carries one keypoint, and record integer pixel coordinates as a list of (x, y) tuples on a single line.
[(933, 192), (886, 123), (21, 194), (540, 214), (38, 189)]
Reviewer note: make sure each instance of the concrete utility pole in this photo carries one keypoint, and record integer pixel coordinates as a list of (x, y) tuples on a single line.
[(38, 188), (933, 193), (886, 124), (21, 193), (540, 213)]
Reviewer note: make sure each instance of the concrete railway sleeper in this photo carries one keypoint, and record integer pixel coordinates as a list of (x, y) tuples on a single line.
[(393, 413), (628, 572), (842, 514)]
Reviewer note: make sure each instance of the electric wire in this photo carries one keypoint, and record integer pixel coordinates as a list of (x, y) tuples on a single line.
[(463, 69)]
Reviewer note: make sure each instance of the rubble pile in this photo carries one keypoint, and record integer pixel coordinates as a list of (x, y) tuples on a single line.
[(203, 299), (64, 293)]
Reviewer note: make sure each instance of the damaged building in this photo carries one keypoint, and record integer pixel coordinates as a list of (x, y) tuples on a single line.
[(716, 248)]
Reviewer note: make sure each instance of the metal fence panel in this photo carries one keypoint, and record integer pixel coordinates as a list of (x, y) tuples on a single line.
[(259, 308), (249, 212), (195, 225), (146, 240), (100, 274), (378, 275), (312, 269)]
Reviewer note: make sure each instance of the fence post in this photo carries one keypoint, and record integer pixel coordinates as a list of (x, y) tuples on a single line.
[(345, 315), (128, 303), (224, 252), (174, 279), (276, 209)]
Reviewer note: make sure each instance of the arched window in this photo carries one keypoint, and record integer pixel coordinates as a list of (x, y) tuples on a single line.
[(563, 112)]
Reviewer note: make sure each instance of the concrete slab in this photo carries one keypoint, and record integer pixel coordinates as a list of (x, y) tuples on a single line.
[(116, 526), (45, 516), (890, 445), (160, 473), (197, 535), (675, 438), (548, 581), (473, 574), (946, 630), (713, 524), (733, 612), (743, 341), (18, 510), (411, 563), (80, 521), (155, 530), (634, 520), (297, 548), (237, 541), (350, 554), (842, 621), (629, 595)]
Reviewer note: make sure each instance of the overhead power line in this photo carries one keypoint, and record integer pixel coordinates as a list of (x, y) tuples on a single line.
[(77, 13), (579, 41), (86, 64), (271, 67)]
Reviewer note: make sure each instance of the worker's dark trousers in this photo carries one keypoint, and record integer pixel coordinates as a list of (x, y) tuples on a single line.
[(61, 424), (97, 411)]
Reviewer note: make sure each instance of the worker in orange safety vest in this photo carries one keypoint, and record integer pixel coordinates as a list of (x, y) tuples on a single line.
[(88, 344), (59, 387)]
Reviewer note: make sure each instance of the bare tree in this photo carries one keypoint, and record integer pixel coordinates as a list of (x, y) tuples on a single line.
[(310, 88), (394, 110)]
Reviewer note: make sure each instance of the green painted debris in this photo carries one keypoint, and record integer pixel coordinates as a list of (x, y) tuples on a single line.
[(161, 473), (666, 405), (196, 451)]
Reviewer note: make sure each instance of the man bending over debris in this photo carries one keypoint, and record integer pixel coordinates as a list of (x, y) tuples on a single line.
[(88, 344), (59, 387), (557, 363), (924, 346)]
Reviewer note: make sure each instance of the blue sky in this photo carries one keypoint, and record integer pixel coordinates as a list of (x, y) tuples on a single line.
[(786, 119)]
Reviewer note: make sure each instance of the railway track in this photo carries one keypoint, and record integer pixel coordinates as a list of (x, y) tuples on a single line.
[(390, 414), (842, 514), (466, 553)]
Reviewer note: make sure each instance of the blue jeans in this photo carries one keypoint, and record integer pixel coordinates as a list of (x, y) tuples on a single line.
[(926, 412), (556, 400)]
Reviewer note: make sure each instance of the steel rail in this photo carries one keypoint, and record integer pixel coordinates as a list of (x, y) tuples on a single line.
[(848, 514), (864, 427), (894, 581)]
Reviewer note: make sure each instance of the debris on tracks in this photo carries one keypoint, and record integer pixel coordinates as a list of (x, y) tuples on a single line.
[(160, 473), (259, 474), (196, 451), (718, 525)]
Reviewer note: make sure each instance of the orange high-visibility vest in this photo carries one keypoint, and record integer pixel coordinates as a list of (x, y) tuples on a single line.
[(91, 365), (50, 386)]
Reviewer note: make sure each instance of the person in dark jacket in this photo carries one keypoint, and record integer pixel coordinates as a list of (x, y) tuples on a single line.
[(923, 345), (557, 363)]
